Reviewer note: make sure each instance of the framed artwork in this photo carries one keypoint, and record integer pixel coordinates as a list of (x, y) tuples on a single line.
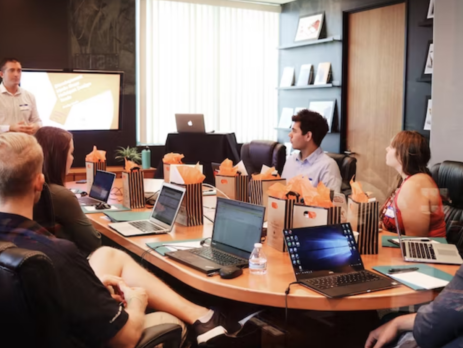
[(309, 27), (429, 62), (427, 122), (431, 9), (325, 108)]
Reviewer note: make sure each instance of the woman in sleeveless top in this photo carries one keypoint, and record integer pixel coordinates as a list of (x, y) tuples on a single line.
[(418, 202)]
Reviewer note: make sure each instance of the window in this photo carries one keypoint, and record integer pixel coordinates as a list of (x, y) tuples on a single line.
[(218, 61)]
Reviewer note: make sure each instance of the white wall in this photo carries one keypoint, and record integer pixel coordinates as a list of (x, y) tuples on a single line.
[(447, 86)]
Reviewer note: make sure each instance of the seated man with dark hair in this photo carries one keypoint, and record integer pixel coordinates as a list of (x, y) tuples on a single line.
[(96, 316), (307, 134), (437, 324)]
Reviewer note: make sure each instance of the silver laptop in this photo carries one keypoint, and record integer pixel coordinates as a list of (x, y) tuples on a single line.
[(414, 249), (163, 217), (101, 189), (190, 123)]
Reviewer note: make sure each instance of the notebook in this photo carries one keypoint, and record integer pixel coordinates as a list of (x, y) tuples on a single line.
[(237, 227), (190, 123), (326, 260), (101, 189), (416, 250), (162, 218)]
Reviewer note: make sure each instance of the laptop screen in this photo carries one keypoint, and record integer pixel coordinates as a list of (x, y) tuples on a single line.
[(323, 250), (237, 224), (165, 209), (102, 184)]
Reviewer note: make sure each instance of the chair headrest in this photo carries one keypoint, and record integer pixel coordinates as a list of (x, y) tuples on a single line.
[(449, 175), (261, 151)]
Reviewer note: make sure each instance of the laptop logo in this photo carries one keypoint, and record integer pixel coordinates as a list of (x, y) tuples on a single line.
[(190, 123)]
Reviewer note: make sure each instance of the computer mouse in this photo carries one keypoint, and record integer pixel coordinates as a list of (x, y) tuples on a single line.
[(230, 272), (102, 206)]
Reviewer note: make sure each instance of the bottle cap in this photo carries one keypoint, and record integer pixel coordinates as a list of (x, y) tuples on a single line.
[(258, 245), (147, 147)]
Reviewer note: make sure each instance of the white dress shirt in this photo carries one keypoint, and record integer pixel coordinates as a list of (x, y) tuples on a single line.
[(318, 167), (18, 107)]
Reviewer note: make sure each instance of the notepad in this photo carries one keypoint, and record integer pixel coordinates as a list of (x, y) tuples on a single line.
[(419, 279)]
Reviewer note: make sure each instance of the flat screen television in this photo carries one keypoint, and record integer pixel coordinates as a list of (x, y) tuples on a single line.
[(77, 100)]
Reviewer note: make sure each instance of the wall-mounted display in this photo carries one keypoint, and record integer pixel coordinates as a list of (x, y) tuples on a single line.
[(287, 79), (305, 75), (431, 9), (427, 122), (429, 63), (325, 108), (309, 27)]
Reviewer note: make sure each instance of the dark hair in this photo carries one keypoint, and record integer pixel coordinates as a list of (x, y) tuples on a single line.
[(55, 143), (7, 60), (413, 152), (312, 122)]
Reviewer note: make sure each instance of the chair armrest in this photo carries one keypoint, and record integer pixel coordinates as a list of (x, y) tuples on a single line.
[(170, 335)]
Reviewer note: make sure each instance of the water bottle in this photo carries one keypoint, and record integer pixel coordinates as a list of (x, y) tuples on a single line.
[(146, 158), (257, 260)]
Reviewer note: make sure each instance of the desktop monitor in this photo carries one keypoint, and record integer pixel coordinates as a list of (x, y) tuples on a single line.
[(78, 100)]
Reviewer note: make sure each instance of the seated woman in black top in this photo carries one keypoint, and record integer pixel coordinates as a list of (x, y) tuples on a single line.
[(72, 224)]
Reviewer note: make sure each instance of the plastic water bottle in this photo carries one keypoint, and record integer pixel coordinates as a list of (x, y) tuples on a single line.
[(257, 260), (146, 158)]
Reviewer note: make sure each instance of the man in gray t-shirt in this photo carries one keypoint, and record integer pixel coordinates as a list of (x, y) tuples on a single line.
[(18, 109)]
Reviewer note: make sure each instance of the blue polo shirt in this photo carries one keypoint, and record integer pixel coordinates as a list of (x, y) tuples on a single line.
[(318, 167)]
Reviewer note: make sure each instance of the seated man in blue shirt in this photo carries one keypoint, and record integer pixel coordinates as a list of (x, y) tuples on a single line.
[(105, 297), (309, 129)]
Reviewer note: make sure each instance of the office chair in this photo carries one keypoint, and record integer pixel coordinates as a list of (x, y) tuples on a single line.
[(259, 152), (348, 168), (32, 312)]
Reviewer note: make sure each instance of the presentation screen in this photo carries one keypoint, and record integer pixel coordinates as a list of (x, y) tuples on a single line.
[(75, 100)]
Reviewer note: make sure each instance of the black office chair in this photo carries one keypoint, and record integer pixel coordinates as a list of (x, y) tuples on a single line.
[(259, 152), (348, 167), (448, 176), (31, 305)]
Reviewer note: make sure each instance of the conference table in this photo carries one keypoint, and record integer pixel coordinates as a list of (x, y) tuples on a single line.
[(268, 289)]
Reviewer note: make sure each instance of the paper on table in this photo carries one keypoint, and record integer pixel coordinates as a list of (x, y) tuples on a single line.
[(266, 168), (182, 246), (92, 208), (241, 168), (420, 279), (152, 185)]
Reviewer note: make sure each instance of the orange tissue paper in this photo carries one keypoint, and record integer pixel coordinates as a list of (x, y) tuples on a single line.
[(357, 193), (96, 156), (172, 158), (191, 175), (226, 168), (267, 175), (278, 190), (130, 165)]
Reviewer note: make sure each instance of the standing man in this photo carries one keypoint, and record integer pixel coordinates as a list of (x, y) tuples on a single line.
[(309, 129), (18, 109)]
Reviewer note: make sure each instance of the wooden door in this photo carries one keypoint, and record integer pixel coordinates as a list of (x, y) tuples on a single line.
[(375, 83)]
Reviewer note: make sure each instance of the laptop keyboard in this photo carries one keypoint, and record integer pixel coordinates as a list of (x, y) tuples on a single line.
[(336, 281), (217, 256), (146, 226), (421, 251)]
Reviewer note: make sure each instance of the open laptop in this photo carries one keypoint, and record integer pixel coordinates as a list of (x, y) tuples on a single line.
[(237, 227), (101, 189), (414, 249), (190, 123), (326, 260), (162, 218)]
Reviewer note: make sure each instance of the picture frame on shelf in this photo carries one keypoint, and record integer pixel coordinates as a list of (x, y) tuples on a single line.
[(428, 118), (429, 61), (430, 9), (326, 108), (309, 27)]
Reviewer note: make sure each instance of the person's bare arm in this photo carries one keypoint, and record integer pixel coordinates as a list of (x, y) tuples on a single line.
[(130, 334), (414, 205), (388, 332)]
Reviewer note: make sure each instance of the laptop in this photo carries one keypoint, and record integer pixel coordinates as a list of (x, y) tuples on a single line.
[(326, 259), (237, 227), (162, 218), (190, 123), (414, 249), (101, 189)]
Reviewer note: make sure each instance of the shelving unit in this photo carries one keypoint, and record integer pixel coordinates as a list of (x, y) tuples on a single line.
[(328, 85), (426, 23), (313, 42)]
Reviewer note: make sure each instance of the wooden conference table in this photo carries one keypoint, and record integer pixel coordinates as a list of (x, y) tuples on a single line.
[(268, 289)]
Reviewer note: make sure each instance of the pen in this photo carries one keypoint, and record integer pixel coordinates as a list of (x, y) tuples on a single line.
[(402, 270)]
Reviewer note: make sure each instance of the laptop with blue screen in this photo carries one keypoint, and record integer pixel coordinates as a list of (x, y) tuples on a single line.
[(326, 259)]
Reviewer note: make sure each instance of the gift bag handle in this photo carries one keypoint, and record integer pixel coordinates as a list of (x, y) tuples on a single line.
[(135, 169), (292, 193)]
